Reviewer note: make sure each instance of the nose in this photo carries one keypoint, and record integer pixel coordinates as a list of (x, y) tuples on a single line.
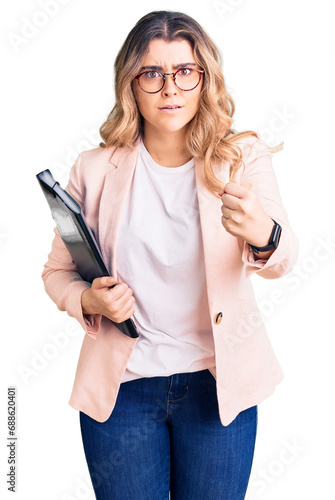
[(169, 87)]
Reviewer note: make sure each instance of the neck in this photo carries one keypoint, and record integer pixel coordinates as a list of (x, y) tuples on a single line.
[(168, 149)]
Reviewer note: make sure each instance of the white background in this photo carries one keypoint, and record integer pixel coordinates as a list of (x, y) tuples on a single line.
[(56, 90)]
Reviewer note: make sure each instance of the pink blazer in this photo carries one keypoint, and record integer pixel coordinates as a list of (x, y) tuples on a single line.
[(247, 369)]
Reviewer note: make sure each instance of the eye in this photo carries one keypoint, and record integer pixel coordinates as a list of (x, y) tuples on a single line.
[(152, 74), (185, 72)]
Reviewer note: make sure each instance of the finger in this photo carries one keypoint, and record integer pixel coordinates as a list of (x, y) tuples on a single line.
[(125, 313), (226, 212), (237, 190), (124, 303), (121, 291), (128, 305), (103, 282), (129, 313), (230, 201)]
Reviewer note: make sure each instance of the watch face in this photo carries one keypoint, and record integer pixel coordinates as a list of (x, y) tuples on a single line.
[(276, 234)]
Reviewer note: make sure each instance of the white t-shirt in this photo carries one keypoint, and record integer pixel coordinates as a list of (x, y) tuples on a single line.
[(160, 257)]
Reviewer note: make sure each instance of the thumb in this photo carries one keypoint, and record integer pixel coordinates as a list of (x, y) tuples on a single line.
[(103, 282), (223, 189)]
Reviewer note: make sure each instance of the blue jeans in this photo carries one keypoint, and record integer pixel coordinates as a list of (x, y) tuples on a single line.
[(164, 434)]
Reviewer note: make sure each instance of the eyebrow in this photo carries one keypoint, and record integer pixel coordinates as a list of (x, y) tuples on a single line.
[(160, 68)]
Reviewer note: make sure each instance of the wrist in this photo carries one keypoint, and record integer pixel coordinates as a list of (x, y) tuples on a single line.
[(85, 302), (263, 255), (272, 242), (262, 239)]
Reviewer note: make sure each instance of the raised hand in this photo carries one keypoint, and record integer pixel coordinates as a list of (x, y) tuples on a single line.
[(243, 215)]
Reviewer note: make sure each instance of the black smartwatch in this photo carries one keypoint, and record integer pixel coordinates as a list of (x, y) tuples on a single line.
[(273, 242)]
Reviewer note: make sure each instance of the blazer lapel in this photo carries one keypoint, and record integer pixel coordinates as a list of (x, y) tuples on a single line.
[(220, 247)]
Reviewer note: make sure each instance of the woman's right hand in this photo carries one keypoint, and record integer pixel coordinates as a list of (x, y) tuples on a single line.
[(115, 303)]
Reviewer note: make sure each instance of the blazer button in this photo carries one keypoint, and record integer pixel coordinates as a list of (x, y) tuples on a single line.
[(218, 318)]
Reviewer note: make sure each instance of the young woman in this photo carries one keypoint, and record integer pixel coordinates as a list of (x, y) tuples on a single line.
[(185, 210)]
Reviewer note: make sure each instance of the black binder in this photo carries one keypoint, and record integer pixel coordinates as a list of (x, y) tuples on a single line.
[(78, 237)]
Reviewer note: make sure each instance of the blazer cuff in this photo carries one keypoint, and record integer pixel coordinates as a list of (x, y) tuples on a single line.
[(249, 258), (280, 262), (89, 322)]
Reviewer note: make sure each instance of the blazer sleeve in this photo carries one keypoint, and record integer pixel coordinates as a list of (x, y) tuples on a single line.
[(259, 176), (62, 281)]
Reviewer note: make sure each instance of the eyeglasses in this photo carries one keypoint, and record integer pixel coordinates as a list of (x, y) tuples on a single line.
[(153, 81)]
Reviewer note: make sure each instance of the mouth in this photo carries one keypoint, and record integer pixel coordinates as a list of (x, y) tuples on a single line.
[(171, 107)]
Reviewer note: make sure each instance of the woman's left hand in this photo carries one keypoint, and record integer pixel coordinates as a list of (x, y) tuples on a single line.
[(243, 215)]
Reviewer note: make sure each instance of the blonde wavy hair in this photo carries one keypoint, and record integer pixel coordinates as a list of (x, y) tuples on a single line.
[(208, 131)]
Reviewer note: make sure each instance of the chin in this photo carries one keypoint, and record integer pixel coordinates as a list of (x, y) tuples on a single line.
[(175, 128)]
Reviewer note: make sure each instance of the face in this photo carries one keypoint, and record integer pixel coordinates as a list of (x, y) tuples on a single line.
[(167, 57)]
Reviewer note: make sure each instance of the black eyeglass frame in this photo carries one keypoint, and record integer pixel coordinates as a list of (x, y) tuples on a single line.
[(137, 77)]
